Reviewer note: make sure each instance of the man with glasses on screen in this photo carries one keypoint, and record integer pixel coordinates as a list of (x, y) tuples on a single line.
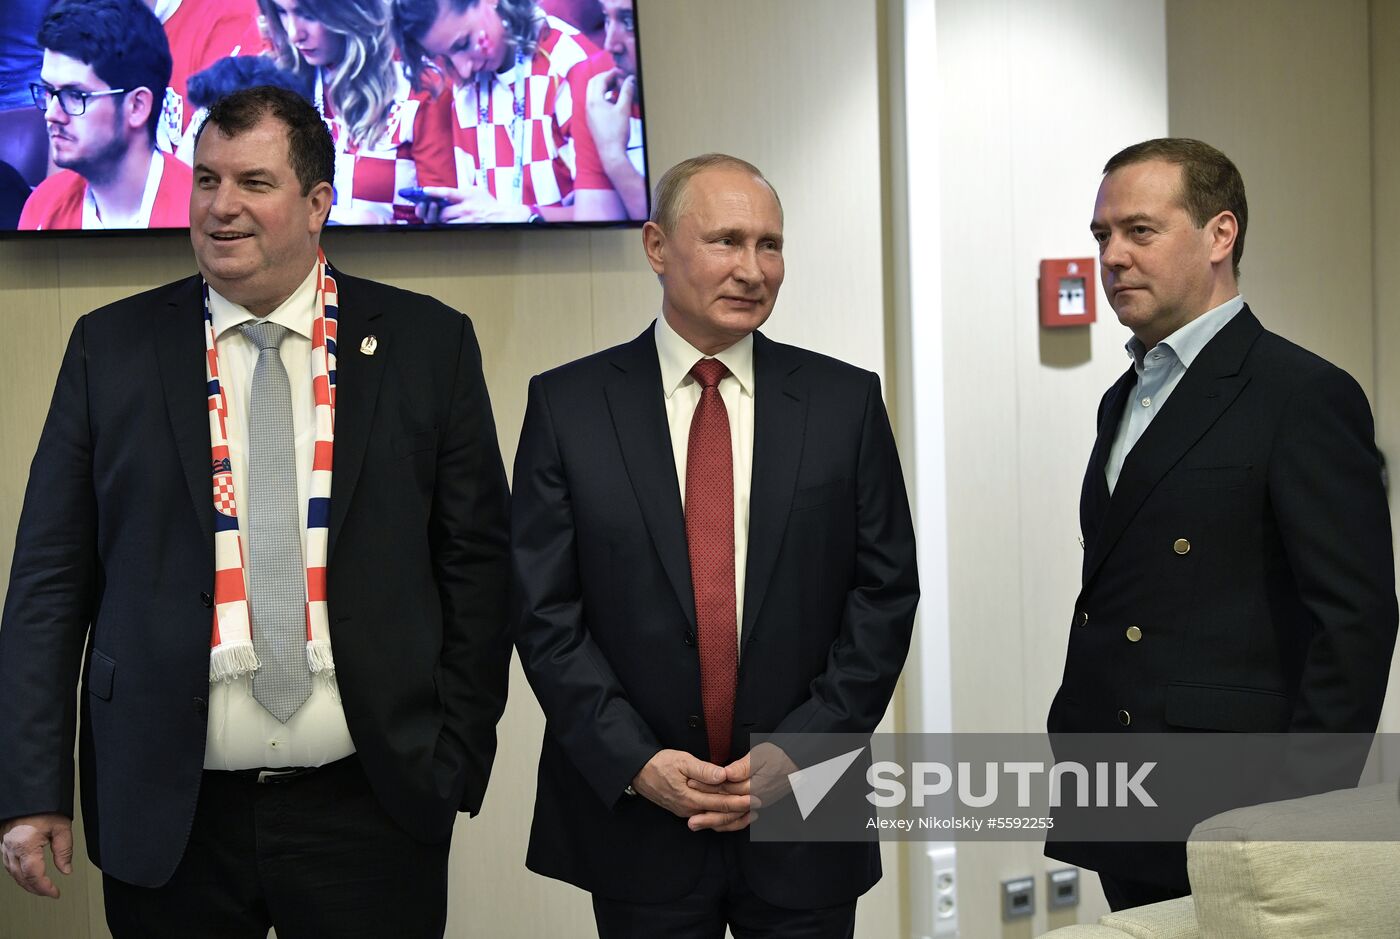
[(106, 67), (610, 180)]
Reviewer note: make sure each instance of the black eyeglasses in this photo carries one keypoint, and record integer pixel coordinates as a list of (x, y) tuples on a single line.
[(71, 100)]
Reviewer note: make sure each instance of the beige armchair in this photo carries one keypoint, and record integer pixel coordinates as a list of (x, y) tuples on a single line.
[(1265, 872)]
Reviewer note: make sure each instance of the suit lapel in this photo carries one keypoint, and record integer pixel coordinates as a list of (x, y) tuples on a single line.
[(1093, 497), (358, 377), (180, 354), (638, 409), (780, 419), (1207, 389)]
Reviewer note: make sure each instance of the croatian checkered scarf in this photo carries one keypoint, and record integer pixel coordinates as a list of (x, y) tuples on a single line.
[(232, 654)]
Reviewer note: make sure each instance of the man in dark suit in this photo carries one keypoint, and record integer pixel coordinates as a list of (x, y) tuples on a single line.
[(302, 766), (710, 539), (1238, 570)]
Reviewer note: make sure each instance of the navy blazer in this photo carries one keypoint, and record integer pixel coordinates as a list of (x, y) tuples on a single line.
[(114, 566), (1248, 540), (606, 619)]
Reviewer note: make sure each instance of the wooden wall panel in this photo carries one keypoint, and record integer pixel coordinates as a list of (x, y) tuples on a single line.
[(1385, 259), (1291, 107)]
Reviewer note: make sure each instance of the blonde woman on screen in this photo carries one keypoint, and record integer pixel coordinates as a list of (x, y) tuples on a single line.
[(388, 137)]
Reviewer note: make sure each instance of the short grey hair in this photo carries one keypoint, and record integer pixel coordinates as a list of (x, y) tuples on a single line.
[(670, 190)]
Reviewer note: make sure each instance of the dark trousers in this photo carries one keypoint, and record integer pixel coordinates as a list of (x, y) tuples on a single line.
[(313, 856), (721, 898), (1124, 894)]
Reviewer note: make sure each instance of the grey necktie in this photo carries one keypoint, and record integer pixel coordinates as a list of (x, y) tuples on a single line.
[(276, 571)]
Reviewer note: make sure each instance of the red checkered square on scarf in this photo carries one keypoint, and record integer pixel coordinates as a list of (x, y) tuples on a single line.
[(223, 495)]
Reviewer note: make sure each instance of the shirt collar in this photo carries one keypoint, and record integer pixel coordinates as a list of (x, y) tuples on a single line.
[(297, 312), (1188, 341), (678, 357), (165, 9)]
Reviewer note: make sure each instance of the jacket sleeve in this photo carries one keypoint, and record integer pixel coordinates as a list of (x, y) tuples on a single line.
[(586, 706), (468, 533), (1330, 507), (851, 694), (54, 586)]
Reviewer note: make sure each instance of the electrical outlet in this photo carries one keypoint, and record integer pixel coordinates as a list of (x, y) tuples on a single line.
[(945, 890), (1062, 888), (1017, 898)]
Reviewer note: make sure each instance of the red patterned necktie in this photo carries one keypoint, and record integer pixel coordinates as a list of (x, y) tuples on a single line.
[(709, 531)]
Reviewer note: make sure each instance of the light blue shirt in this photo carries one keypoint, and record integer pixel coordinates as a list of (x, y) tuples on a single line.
[(1159, 371)]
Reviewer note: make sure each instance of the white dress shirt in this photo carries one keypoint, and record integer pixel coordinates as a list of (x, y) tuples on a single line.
[(1159, 371), (242, 734), (92, 218), (682, 392)]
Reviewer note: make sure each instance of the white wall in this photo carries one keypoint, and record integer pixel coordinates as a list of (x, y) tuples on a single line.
[(1034, 97), (913, 260)]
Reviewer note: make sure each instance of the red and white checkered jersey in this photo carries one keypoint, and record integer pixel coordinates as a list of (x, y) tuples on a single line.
[(414, 149), (200, 33), (589, 173), (485, 149), (57, 202)]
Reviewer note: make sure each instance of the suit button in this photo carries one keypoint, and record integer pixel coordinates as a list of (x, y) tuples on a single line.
[(693, 720), (1081, 618), (1134, 634), (1181, 546), (206, 599), (1125, 718), (689, 638), (201, 707)]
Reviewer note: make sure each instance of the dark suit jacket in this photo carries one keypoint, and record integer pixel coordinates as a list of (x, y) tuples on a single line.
[(606, 617), (114, 565), (1281, 614)]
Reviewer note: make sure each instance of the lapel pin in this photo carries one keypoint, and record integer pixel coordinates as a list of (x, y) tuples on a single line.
[(368, 345)]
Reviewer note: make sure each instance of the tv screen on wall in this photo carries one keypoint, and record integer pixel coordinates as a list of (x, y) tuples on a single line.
[(444, 113)]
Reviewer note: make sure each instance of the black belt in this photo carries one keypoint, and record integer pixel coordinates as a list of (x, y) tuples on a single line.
[(285, 774)]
